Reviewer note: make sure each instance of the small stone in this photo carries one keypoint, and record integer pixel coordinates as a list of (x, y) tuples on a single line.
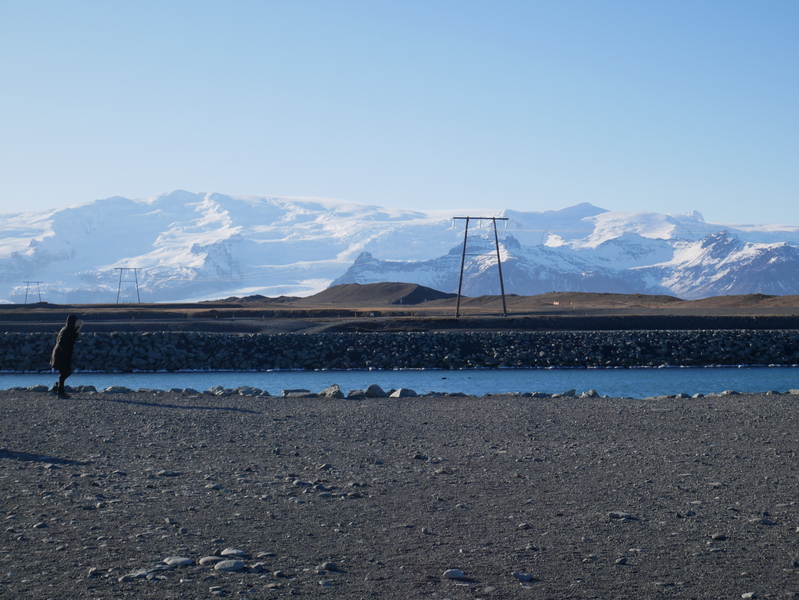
[(178, 561), (454, 574), (403, 393), (230, 565), (621, 561), (233, 552), (167, 473), (375, 391), (621, 515), (329, 566), (718, 537), (334, 391), (210, 560), (522, 576), (297, 393)]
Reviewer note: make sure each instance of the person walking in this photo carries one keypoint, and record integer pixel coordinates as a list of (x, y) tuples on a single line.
[(61, 358)]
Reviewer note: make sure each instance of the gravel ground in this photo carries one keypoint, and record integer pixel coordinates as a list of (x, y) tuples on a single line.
[(378, 498)]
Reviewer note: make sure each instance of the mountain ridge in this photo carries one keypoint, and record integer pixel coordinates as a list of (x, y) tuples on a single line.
[(187, 247)]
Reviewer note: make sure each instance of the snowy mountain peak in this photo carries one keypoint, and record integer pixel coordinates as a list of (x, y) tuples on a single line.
[(189, 246)]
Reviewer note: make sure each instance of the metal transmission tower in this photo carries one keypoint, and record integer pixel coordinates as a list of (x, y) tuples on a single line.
[(38, 289), (134, 280), (463, 260)]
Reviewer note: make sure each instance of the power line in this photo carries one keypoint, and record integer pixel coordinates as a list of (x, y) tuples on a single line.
[(38, 289), (463, 260), (135, 279)]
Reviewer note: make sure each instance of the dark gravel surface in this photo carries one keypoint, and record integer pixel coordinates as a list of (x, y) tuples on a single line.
[(377, 498)]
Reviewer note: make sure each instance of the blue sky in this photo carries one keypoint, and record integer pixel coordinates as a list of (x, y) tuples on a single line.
[(436, 104)]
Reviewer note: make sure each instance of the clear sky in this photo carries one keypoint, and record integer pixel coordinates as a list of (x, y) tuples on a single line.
[(665, 106)]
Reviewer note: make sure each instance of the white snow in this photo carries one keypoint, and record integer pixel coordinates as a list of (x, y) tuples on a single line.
[(190, 246)]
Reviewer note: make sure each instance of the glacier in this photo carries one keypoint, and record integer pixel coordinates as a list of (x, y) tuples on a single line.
[(188, 247)]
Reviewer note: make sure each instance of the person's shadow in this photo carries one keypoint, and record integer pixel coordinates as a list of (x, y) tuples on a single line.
[(7, 454)]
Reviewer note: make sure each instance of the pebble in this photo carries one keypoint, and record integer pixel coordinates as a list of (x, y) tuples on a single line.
[(761, 521), (454, 574), (522, 576), (621, 515), (178, 561), (229, 565), (168, 473), (233, 552)]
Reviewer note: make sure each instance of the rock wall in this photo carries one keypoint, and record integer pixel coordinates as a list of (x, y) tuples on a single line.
[(177, 351)]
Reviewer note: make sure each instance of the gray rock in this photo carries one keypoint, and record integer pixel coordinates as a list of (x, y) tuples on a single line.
[(246, 390), (229, 565), (454, 574), (334, 391), (375, 391), (178, 561), (297, 393), (620, 515), (403, 393)]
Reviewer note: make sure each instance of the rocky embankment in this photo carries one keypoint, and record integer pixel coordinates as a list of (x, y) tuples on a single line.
[(175, 351)]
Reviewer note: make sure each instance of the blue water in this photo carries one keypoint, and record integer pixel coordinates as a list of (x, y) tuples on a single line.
[(634, 383)]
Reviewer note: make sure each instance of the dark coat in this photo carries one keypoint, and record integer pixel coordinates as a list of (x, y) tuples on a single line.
[(61, 359)]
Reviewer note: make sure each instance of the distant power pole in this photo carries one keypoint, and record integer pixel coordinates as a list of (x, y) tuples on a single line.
[(38, 289), (134, 280), (463, 260)]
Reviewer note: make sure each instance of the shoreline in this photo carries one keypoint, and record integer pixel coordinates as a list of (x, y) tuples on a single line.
[(612, 382)]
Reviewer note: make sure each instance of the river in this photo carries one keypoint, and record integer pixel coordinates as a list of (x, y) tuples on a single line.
[(634, 383)]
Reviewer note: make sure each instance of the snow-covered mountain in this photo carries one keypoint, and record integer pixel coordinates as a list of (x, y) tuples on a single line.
[(187, 247)]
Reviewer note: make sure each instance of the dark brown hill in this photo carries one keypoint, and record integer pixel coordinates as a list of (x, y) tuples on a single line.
[(374, 294)]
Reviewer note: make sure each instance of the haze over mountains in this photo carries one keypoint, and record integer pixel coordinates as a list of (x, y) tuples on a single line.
[(189, 247)]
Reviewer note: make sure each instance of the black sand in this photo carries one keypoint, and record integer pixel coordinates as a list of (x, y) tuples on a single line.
[(610, 498)]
